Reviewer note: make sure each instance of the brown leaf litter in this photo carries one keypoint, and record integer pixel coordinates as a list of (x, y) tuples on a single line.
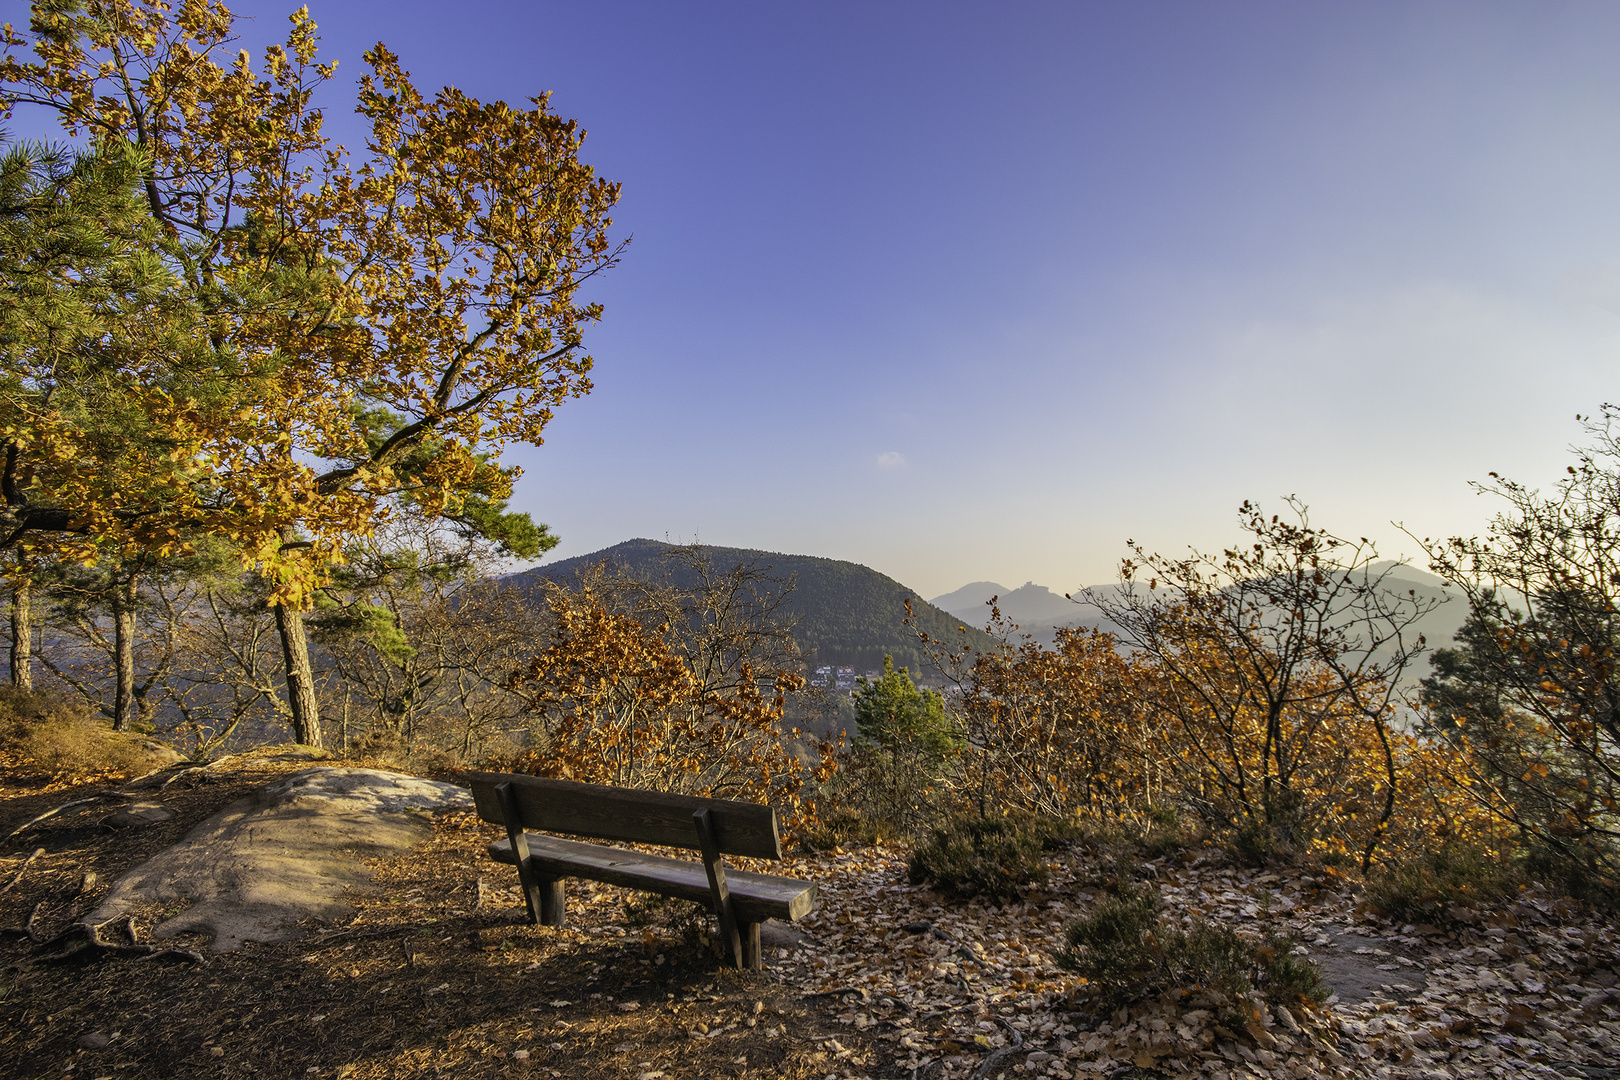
[(438, 974)]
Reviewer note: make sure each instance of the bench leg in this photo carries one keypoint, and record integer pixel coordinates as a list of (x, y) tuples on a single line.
[(731, 946), (542, 895), (751, 958), (552, 902), (531, 899)]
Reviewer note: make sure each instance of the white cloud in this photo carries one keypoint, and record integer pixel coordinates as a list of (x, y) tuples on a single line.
[(891, 459)]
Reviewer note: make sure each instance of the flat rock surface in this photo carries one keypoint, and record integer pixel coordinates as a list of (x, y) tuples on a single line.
[(1362, 968), (775, 934), (290, 851)]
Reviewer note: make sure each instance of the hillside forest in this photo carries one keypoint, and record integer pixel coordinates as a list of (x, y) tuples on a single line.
[(256, 392)]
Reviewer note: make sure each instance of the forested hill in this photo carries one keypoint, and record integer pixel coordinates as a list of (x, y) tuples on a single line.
[(847, 613)]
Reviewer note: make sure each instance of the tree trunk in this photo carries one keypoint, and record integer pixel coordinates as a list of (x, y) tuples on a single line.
[(306, 713), (123, 606), (22, 627)]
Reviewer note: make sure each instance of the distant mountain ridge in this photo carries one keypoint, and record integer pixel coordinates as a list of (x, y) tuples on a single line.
[(1039, 612), (848, 614), (1028, 604)]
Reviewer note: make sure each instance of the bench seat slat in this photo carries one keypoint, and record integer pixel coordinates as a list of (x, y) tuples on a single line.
[(754, 897)]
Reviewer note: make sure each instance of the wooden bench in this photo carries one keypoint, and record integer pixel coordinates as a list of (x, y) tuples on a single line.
[(712, 827)]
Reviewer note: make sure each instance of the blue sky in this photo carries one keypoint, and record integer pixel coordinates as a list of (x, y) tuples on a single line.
[(969, 291)]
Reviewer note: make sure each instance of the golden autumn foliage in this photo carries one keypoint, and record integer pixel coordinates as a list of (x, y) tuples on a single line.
[(1084, 729), (342, 332), (1252, 692), (616, 702), (1275, 666), (1061, 730), (1315, 775), (384, 321)]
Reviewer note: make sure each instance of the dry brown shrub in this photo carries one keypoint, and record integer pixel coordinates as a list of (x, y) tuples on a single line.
[(1274, 738), (1060, 731), (618, 703), (61, 738)]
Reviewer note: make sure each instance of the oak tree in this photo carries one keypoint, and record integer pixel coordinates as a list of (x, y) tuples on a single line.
[(432, 275)]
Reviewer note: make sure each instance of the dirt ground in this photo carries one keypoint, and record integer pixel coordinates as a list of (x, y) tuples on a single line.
[(438, 974), (435, 976)]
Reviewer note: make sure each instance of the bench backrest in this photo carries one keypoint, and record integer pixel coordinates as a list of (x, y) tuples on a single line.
[(629, 816)]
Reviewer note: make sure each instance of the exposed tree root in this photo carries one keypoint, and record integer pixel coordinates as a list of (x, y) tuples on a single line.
[(25, 826), (21, 870), (85, 941), (998, 1060), (27, 929)]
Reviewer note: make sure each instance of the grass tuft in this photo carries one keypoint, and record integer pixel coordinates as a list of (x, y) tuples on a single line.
[(59, 737), (1437, 886), (848, 825)]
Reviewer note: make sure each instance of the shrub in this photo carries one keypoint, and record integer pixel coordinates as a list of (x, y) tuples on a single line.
[(619, 702), (1272, 836), (1256, 844), (889, 788), (1165, 833), (1527, 696), (385, 746), (1117, 872), (990, 858), (1285, 978), (1056, 730), (846, 824), (1433, 886), (906, 752), (1562, 873), (60, 737), (1110, 947), (1127, 952), (1160, 832)]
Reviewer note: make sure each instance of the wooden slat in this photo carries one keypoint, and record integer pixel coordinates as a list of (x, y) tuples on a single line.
[(629, 816), (754, 897)]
